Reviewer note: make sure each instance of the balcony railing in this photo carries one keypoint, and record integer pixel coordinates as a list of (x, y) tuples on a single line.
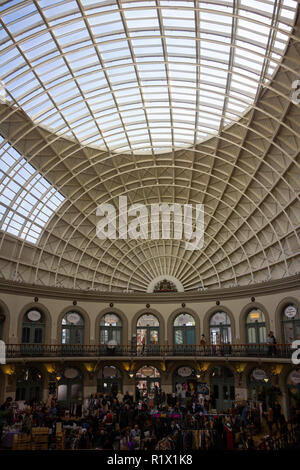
[(91, 350)]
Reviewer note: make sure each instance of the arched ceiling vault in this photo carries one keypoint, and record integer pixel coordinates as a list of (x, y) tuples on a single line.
[(247, 176)]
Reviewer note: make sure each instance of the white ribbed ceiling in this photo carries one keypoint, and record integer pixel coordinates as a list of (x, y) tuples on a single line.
[(175, 102)]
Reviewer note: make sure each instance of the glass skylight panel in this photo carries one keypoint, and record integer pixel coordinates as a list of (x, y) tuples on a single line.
[(28, 200), (160, 66)]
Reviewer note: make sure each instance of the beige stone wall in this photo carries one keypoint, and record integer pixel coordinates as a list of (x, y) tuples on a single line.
[(17, 305)]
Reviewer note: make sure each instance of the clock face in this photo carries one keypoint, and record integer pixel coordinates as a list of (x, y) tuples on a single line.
[(185, 371)]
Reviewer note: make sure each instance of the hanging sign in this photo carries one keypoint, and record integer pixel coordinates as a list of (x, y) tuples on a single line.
[(73, 318), (259, 374), (185, 371), (34, 315), (147, 371), (70, 373), (290, 311)]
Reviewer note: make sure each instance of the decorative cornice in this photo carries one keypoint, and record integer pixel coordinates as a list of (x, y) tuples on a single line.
[(265, 288)]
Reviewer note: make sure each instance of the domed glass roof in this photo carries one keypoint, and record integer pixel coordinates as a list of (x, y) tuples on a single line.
[(140, 76)]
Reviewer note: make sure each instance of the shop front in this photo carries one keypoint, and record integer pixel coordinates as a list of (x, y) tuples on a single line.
[(293, 395), (109, 380), (259, 388), (29, 385), (222, 390), (70, 387), (185, 380), (148, 383)]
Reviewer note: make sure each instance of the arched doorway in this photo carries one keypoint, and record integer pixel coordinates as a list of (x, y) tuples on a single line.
[(70, 387), (184, 334), (293, 392), (72, 333), (33, 332), (290, 320), (259, 386), (147, 380), (147, 335), (186, 379), (110, 333), (109, 380), (256, 333), (222, 390), (29, 385)]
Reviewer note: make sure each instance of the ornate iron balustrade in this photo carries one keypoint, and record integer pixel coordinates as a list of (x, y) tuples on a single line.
[(96, 350)]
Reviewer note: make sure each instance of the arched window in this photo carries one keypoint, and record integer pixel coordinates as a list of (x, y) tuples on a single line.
[(220, 328), (109, 380), (256, 327), (70, 386), (111, 329), (290, 323), (29, 385), (184, 330), (147, 334), (72, 328), (33, 327)]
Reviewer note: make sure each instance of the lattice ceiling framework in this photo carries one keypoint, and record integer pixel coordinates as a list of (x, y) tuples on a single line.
[(246, 175)]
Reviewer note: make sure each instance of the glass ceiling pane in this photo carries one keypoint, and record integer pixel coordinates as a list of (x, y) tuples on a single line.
[(122, 56), (24, 212)]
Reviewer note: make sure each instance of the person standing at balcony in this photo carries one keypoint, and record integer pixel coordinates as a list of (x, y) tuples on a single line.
[(274, 342), (203, 343), (270, 344)]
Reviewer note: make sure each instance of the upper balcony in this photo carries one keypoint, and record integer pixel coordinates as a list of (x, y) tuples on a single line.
[(15, 352)]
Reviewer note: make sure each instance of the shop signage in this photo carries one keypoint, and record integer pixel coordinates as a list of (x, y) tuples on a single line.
[(295, 377), (259, 374), (73, 318), (185, 371), (109, 371), (34, 315), (71, 373), (147, 371), (290, 311)]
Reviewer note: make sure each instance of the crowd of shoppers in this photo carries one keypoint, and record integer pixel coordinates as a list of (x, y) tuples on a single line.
[(119, 422)]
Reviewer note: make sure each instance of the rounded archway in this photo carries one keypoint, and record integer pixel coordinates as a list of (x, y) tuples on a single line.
[(290, 323), (72, 333), (110, 333), (33, 332), (110, 380), (259, 386), (29, 385), (187, 380), (78, 317), (147, 334), (293, 392), (222, 389), (184, 329), (70, 388), (148, 383), (256, 332)]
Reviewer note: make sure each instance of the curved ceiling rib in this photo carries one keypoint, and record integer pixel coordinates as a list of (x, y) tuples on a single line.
[(246, 175)]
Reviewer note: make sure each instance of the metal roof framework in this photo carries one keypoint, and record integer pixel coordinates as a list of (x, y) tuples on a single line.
[(186, 102)]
